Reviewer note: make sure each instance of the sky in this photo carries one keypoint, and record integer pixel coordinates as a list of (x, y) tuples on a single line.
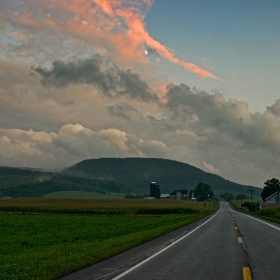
[(194, 81)]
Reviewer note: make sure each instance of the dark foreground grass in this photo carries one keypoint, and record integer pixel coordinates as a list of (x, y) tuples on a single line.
[(48, 238), (49, 246)]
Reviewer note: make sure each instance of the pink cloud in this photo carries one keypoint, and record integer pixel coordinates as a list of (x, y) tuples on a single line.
[(116, 26), (138, 35), (19, 36)]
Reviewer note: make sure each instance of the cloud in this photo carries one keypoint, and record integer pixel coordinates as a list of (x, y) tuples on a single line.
[(206, 62), (138, 35), (99, 72), (53, 126), (91, 106), (275, 108), (71, 144), (81, 28), (211, 116), (210, 167), (19, 36), (122, 110)]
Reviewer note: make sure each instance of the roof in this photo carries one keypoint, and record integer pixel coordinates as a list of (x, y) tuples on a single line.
[(271, 196), (164, 195), (181, 191)]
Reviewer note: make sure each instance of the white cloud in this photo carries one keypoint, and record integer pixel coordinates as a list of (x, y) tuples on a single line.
[(210, 167)]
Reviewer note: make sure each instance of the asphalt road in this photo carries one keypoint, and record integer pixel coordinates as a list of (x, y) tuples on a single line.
[(226, 245)]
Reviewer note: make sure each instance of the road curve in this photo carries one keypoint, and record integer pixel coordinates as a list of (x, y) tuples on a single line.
[(227, 245)]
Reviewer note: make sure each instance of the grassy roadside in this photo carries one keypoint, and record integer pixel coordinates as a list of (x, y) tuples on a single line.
[(268, 213), (44, 245)]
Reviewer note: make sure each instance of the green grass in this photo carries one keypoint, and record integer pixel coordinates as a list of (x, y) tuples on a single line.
[(79, 195), (270, 213), (47, 246)]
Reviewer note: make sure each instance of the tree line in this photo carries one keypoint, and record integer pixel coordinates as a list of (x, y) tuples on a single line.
[(61, 183)]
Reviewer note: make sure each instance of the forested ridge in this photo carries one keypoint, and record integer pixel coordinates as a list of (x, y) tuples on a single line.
[(36, 184), (137, 173), (118, 175)]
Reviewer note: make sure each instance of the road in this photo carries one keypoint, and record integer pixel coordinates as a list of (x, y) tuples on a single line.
[(226, 245)]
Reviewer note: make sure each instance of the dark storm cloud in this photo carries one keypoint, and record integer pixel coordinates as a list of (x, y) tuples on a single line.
[(99, 72), (211, 109), (220, 121), (122, 110)]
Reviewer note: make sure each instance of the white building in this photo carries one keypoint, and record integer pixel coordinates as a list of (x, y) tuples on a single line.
[(273, 198)]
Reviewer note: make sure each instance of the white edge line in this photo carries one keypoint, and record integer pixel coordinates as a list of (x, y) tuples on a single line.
[(159, 252), (258, 220)]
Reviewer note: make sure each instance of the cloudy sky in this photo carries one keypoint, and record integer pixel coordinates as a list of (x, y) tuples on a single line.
[(195, 81)]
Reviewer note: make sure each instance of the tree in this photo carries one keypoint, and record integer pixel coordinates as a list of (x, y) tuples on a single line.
[(242, 196), (203, 192), (227, 196), (271, 186)]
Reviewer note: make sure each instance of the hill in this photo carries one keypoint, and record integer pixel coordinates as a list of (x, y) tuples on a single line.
[(11, 171), (137, 173), (115, 175), (18, 182)]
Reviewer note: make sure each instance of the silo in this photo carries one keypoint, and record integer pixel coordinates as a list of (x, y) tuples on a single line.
[(154, 190), (157, 192)]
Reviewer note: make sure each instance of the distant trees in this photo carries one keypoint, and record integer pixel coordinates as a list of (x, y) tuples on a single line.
[(229, 196), (226, 196), (241, 196), (203, 192), (270, 187), (21, 188)]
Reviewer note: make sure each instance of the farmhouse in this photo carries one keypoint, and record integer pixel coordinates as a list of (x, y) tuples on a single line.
[(273, 198), (179, 195)]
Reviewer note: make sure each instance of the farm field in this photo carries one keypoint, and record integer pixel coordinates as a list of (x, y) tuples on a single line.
[(61, 205), (39, 241)]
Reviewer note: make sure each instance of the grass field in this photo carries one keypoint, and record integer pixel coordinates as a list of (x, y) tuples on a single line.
[(36, 245), (270, 213)]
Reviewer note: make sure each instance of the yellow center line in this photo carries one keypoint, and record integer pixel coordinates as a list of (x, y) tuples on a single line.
[(240, 239), (246, 273)]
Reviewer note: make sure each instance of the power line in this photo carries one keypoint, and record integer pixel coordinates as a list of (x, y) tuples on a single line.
[(269, 168), (276, 173)]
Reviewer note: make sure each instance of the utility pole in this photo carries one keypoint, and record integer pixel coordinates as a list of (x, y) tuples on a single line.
[(242, 196), (251, 193)]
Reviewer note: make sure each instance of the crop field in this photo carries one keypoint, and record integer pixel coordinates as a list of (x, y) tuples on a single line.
[(119, 203), (48, 238)]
